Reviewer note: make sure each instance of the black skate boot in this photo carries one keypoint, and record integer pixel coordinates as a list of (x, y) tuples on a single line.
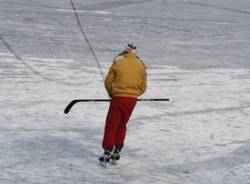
[(115, 156), (105, 158)]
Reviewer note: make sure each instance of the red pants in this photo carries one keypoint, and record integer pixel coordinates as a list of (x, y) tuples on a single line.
[(118, 115)]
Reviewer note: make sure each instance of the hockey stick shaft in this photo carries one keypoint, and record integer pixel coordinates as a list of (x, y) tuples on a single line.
[(73, 102)]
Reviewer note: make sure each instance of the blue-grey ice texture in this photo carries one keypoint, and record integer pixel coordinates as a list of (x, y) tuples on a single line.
[(198, 55)]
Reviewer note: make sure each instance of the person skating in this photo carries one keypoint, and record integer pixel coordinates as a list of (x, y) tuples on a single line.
[(125, 82)]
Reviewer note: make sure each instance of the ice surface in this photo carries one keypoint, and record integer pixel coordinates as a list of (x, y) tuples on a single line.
[(197, 53)]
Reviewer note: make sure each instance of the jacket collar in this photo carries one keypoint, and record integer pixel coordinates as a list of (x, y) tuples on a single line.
[(130, 54)]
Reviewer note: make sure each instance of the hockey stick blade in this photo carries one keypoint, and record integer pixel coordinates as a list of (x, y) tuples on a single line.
[(73, 102)]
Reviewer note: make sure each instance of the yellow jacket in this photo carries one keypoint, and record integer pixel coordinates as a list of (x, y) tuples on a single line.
[(126, 77)]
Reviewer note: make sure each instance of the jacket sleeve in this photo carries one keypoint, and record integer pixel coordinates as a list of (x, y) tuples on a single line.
[(109, 80), (144, 83)]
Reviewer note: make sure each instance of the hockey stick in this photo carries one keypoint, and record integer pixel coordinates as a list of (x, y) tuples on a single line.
[(73, 102)]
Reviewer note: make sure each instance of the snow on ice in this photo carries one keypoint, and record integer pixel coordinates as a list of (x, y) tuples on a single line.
[(197, 54)]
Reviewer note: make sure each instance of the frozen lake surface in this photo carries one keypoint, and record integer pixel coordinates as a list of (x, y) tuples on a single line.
[(197, 53)]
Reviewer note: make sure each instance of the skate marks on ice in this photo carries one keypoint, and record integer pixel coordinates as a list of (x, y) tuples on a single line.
[(112, 4), (100, 8), (202, 132), (39, 67), (200, 91), (237, 157), (204, 122), (216, 7), (232, 167), (34, 5), (48, 156), (60, 71)]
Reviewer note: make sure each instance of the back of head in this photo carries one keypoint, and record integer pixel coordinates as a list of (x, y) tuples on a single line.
[(130, 48)]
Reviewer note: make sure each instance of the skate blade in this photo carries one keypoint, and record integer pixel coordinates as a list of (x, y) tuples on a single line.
[(113, 162), (103, 164)]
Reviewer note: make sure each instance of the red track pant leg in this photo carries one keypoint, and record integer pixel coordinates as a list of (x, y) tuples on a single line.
[(119, 113), (112, 122), (127, 110)]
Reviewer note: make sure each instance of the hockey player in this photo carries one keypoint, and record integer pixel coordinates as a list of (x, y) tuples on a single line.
[(125, 81)]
